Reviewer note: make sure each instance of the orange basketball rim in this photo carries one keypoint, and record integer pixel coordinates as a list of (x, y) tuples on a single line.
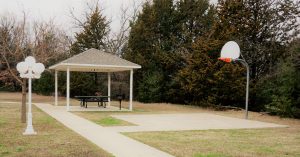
[(228, 60)]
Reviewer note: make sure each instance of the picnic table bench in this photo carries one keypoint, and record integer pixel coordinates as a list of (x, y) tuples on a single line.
[(100, 99)]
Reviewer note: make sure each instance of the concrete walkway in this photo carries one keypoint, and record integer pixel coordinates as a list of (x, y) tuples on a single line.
[(113, 142)]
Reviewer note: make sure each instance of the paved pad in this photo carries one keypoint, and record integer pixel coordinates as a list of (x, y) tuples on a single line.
[(113, 142), (190, 121)]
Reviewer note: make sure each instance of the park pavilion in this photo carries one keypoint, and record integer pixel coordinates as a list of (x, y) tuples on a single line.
[(94, 60)]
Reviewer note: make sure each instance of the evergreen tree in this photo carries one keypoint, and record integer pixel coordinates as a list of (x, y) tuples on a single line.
[(206, 80), (150, 45), (196, 19), (279, 91), (178, 45), (263, 29), (195, 77), (162, 34), (95, 30)]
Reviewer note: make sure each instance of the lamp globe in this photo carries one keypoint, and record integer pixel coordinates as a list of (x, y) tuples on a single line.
[(22, 67), (38, 68), (30, 60)]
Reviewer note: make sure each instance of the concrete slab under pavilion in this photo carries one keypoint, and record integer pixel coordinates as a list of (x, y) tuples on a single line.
[(95, 109)]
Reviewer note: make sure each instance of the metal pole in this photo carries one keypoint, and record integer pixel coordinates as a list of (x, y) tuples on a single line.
[(30, 71), (131, 90), (29, 97), (108, 87), (29, 130), (247, 86), (56, 90), (68, 89), (247, 89)]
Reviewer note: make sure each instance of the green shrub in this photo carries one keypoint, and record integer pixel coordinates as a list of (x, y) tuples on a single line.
[(280, 91), (44, 85)]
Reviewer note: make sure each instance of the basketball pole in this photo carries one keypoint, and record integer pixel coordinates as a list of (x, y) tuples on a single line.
[(247, 86), (234, 48)]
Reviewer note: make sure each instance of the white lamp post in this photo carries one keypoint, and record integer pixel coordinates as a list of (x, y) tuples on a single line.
[(31, 70), (231, 53)]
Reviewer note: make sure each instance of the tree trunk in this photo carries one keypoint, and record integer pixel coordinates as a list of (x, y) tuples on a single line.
[(23, 110)]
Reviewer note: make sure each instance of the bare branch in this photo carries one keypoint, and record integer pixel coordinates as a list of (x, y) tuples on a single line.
[(116, 41)]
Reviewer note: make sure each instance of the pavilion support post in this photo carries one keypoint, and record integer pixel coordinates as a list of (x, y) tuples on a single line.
[(68, 88), (131, 93), (109, 87), (56, 88)]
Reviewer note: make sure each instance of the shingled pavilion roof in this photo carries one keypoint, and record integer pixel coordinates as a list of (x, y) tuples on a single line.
[(94, 60)]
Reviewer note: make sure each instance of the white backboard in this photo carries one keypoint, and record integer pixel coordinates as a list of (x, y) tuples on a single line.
[(230, 50)]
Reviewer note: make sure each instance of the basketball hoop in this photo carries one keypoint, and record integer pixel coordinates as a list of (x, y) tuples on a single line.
[(231, 52)]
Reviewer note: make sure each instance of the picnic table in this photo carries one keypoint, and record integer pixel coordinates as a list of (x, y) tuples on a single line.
[(100, 99)]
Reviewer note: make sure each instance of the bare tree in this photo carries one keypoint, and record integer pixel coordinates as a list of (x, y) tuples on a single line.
[(49, 42), (114, 41), (13, 45), (16, 43), (117, 40)]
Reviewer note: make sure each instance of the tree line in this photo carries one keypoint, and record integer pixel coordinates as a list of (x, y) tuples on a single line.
[(178, 43)]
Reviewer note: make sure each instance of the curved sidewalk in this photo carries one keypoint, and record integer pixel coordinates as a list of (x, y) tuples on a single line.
[(111, 141)]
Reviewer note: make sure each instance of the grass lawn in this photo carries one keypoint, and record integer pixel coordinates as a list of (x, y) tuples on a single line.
[(221, 143), (103, 118), (276, 142), (53, 139)]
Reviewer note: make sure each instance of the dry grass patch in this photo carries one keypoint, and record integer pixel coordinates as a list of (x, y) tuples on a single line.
[(52, 140), (232, 143), (273, 142)]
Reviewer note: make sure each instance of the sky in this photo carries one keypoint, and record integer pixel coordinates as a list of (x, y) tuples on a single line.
[(59, 10)]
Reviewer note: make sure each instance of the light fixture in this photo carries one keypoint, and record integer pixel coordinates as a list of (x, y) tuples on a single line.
[(31, 70)]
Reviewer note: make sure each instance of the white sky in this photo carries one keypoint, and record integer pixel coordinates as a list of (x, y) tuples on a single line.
[(59, 10)]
